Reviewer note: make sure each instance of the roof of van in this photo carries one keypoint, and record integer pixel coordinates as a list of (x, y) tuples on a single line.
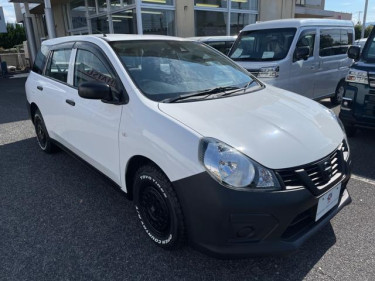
[(213, 38), (108, 37), (285, 23)]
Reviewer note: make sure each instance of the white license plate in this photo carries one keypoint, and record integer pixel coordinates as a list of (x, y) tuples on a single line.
[(328, 201)]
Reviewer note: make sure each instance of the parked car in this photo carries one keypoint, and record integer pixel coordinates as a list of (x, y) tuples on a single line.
[(220, 43), (205, 150), (305, 56), (358, 106), (360, 42)]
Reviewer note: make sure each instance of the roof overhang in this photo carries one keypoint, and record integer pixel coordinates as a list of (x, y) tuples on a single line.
[(27, 1)]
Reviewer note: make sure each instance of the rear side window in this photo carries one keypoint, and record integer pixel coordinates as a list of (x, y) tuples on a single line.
[(88, 67), (335, 41), (40, 60), (59, 64)]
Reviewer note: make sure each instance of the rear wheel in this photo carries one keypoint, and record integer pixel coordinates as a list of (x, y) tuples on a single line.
[(339, 93), (42, 136), (158, 208)]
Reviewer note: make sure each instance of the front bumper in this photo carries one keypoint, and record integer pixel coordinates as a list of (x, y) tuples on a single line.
[(228, 223)]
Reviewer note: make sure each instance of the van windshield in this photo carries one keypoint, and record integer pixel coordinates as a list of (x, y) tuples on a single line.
[(369, 51), (166, 69), (263, 45)]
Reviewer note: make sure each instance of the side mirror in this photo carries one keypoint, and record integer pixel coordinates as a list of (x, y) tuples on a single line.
[(354, 52), (94, 91), (302, 53)]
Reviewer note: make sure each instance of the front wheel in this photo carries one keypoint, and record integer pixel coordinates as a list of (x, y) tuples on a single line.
[(158, 208), (339, 93)]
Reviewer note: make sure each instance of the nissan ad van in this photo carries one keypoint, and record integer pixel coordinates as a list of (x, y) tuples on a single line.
[(208, 153), (305, 56), (358, 105)]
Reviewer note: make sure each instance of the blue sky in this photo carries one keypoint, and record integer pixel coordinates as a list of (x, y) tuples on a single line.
[(352, 6), (8, 11), (349, 6)]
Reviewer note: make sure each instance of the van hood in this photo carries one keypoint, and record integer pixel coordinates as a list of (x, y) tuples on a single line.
[(276, 128), (254, 66)]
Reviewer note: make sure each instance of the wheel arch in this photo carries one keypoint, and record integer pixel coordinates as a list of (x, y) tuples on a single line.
[(134, 163), (33, 109)]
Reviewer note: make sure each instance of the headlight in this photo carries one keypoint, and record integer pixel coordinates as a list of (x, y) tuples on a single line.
[(269, 72), (357, 76), (233, 169)]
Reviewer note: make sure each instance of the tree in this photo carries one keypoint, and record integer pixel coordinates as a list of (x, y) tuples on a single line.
[(15, 35), (358, 30), (368, 30)]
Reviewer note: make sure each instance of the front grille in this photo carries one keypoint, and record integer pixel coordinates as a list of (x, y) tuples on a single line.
[(319, 176), (371, 78), (369, 106)]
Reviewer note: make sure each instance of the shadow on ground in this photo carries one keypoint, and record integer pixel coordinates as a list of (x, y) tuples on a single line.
[(12, 100), (62, 220)]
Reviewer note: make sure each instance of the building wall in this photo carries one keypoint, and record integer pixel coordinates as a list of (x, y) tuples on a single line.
[(59, 20), (273, 10), (185, 18)]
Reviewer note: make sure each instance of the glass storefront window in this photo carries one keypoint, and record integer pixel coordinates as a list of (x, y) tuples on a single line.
[(78, 14), (208, 23), (116, 4), (158, 22), (100, 25), (91, 7), (158, 2), (125, 22), (102, 6), (245, 4), (239, 21), (211, 3)]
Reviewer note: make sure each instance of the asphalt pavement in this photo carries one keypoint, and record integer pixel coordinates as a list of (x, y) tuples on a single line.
[(60, 220)]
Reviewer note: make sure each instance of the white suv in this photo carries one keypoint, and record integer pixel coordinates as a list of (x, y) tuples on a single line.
[(205, 150)]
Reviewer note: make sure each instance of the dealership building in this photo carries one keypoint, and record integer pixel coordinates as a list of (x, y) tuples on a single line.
[(185, 18)]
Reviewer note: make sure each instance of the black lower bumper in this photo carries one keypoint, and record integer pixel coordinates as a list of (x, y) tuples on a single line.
[(348, 119), (229, 223)]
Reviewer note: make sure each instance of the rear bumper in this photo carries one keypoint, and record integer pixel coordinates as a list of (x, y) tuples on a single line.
[(228, 223)]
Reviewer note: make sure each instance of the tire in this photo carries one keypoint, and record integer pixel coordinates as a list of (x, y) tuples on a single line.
[(158, 208), (42, 136), (339, 93), (350, 130)]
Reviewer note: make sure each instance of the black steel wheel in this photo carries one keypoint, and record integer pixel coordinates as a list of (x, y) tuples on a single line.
[(339, 93), (42, 136), (158, 208)]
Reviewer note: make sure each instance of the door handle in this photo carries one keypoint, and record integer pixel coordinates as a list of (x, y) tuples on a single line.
[(71, 102), (40, 88)]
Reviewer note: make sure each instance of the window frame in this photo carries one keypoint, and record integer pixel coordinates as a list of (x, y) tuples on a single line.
[(303, 32), (341, 28), (52, 48), (98, 52)]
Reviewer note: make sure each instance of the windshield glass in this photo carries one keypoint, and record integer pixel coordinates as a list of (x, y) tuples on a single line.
[(164, 69), (369, 51), (263, 45)]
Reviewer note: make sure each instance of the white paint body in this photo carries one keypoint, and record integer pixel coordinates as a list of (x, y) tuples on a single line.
[(315, 78), (274, 127)]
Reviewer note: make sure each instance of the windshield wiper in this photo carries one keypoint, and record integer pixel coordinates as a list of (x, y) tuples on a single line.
[(241, 89), (205, 93)]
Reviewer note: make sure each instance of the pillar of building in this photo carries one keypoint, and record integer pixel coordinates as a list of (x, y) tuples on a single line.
[(185, 18), (50, 22), (30, 33)]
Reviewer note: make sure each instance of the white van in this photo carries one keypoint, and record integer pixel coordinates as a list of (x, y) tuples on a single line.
[(305, 56), (206, 151)]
